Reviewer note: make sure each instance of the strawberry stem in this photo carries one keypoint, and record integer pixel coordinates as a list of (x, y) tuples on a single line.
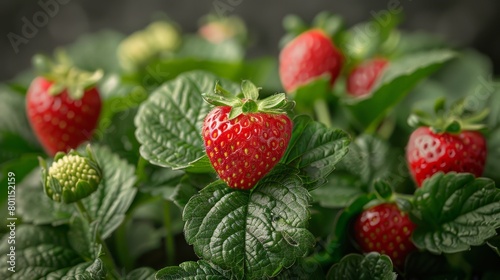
[(249, 106), (169, 237), (65, 76), (322, 112), (107, 256)]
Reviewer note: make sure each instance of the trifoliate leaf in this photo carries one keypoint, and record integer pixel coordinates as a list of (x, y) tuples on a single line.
[(254, 234), (454, 212)]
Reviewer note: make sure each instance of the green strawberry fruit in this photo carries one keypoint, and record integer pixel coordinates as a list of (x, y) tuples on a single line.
[(71, 176)]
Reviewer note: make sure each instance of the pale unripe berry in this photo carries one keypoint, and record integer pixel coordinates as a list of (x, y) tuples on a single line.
[(71, 176)]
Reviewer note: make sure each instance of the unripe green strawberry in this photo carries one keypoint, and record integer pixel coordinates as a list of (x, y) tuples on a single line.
[(71, 176)]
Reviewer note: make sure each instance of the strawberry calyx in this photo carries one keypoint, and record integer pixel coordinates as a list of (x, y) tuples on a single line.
[(65, 76), (327, 22), (384, 193), (249, 103), (454, 120)]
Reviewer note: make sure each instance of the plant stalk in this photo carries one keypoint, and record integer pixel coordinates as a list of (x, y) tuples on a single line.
[(169, 237), (107, 257), (322, 112)]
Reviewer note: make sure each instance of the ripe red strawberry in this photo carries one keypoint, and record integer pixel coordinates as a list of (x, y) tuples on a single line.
[(309, 56), (428, 153), (446, 142), (246, 140), (62, 109), (387, 230), (363, 77)]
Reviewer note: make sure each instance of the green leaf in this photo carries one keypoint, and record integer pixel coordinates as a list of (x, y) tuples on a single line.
[(401, 76), (336, 246), (261, 71), (306, 95), (201, 165), (315, 149), (339, 191), (108, 205), (369, 159), (82, 237), (493, 158), (16, 137), (119, 135), (372, 266), (39, 250), (466, 76), (18, 169), (454, 212), (189, 185), (302, 269), (85, 271), (162, 182), (119, 98), (191, 270), (143, 273), (494, 244), (253, 234), (46, 211), (383, 189), (424, 265), (412, 42), (96, 51), (169, 123)]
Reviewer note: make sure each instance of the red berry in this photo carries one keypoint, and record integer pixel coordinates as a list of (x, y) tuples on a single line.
[(59, 122), (309, 56), (363, 77), (244, 149), (387, 230), (428, 153)]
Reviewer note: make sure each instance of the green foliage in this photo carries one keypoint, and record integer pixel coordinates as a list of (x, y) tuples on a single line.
[(264, 230), (149, 147), (371, 266), (169, 122), (45, 252), (454, 212)]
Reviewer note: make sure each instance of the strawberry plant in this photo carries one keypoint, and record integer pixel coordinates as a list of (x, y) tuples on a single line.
[(169, 155)]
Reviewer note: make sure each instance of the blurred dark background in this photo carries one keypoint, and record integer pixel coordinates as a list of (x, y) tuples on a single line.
[(465, 23)]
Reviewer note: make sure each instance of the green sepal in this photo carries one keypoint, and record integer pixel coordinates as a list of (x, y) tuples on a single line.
[(249, 102), (383, 190), (453, 121), (439, 106), (330, 23), (250, 91), (65, 76)]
